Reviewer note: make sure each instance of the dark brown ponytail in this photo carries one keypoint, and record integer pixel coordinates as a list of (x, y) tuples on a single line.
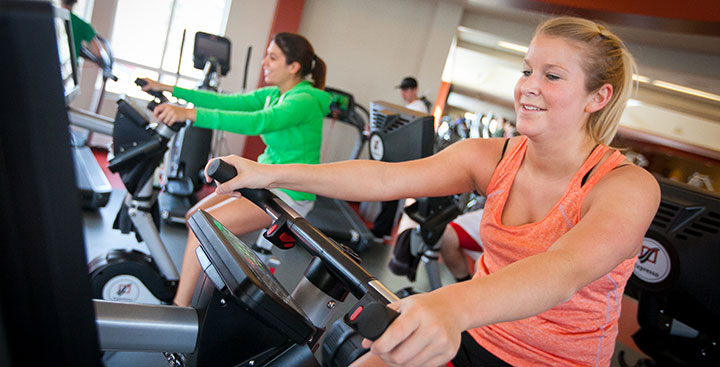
[(318, 72), (298, 48)]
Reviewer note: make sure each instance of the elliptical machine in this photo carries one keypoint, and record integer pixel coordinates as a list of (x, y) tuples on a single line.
[(131, 275)]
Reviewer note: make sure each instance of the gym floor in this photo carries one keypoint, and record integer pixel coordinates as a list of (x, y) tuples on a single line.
[(100, 238)]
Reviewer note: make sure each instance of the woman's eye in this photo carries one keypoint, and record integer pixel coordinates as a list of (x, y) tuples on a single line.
[(553, 77), (526, 73)]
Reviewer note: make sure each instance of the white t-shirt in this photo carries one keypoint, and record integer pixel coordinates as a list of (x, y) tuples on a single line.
[(417, 105)]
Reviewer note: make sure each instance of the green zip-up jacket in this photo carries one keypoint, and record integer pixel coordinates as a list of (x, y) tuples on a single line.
[(289, 124)]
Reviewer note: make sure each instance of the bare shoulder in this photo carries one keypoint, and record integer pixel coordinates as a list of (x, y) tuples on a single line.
[(480, 145), (478, 157), (628, 185)]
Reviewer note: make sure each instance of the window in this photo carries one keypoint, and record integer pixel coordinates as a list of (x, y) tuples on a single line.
[(147, 37)]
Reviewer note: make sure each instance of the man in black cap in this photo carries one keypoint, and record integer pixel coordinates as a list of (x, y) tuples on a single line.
[(408, 90)]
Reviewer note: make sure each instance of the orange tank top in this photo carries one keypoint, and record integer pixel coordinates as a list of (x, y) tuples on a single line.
[(578, 332)]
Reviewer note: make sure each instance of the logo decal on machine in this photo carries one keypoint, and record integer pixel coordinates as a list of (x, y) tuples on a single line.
[(653, 264), (377, 149)]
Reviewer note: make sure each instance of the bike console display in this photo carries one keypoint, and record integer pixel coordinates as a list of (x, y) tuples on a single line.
[(209, 46), (234, 267)]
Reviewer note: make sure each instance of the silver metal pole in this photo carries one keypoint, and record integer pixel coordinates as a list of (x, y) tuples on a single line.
[(150, 328)]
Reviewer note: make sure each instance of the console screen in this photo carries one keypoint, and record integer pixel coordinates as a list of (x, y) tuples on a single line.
[(258, 268)]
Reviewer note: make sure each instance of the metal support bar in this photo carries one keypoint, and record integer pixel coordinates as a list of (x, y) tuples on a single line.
[(91, 121), (151, 328)]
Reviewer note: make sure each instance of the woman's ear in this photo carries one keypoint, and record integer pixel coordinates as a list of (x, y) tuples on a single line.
[(599, 98), (295, 67)]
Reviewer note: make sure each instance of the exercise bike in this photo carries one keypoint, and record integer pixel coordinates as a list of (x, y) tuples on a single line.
[(241, 315), (191, 147), (131, 275)]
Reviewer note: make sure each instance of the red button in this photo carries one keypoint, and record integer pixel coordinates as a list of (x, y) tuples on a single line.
[(272, 229), (287, 238), (356, 313)]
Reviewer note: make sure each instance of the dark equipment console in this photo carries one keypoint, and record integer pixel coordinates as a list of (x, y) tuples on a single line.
[(369, 316), (247, 318), (236, 269), (676, 279)]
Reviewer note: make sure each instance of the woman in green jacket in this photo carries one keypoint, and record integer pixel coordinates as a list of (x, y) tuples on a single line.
[(288, 116)]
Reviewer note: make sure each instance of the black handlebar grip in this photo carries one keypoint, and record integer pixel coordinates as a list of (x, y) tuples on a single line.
[(222, 171), (151, 105), (371, 319), (177, 126), (141, 82), (155, 93)]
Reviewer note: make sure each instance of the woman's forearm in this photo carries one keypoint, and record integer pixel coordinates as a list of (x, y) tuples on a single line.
[(365, 180), (358, 180), (512, 293)]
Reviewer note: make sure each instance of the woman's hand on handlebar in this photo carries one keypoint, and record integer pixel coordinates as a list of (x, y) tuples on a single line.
[(423, 335), (250, 174), (170, 114), (153, 85)]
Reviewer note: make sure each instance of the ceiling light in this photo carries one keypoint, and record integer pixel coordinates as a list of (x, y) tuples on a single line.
[(640, 78), (513, 46), (686, 90)]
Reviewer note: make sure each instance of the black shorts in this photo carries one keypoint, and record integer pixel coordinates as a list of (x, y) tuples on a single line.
[(473, 354)]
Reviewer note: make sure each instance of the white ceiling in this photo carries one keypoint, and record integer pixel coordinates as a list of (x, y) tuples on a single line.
[(478, 68), (680, 52)]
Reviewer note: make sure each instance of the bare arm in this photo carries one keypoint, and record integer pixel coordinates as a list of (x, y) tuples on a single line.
[(455, 169), (154, 85), (619, 211), (94, 47)]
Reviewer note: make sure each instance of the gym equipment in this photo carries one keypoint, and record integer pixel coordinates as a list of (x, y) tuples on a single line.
[(211, 54), (335, 217), (239, 294), (399, 134), (45, 307), (134, 276), (432, 215), (104, 61), (190, 148), (94, 187), (676, 279)]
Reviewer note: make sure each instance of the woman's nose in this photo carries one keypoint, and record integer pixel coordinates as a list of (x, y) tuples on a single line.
[(529, 86)]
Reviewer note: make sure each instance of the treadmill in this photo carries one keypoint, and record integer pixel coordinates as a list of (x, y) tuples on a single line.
[(335, 217), (94, 186)]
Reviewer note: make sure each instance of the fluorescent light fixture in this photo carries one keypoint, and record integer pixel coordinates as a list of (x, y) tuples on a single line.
[(640, 78), (513, 46), (686, 90)]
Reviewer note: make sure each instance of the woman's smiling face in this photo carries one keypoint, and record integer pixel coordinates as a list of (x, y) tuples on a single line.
[(550, 96), (275, 67)]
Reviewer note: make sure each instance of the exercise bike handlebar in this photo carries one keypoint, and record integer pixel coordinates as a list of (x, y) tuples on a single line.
[(370, 316), (155, 93)]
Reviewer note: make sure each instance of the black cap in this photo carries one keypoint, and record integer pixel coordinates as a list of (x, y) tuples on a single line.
[(408, 83)]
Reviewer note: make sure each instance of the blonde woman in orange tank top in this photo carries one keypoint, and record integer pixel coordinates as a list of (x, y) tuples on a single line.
[(562, 226)]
